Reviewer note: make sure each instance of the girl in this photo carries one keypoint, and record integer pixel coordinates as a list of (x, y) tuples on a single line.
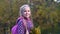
[(24, 22)]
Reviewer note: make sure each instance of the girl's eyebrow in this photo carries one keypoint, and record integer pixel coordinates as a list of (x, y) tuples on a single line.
[(25, 11)]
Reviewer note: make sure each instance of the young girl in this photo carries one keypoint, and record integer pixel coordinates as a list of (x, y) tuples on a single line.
[(24, 22)]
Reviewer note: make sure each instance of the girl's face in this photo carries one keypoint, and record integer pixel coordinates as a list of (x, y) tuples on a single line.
[(27, 12)]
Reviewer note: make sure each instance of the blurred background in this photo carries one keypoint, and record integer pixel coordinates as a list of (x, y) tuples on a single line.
[(45, 14)]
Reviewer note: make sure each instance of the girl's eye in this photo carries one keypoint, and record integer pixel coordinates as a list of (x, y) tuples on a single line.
[(24, 11), (28, 10)]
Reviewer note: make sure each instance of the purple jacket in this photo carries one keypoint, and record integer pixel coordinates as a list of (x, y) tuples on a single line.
[(19, 28)]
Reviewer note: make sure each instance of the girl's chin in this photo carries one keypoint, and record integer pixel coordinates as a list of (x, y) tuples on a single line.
[(27, 16)]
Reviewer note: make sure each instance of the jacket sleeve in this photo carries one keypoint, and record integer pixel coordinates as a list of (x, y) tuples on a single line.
[(20, 27)]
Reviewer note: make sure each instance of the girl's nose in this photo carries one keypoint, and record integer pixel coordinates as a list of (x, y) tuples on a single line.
[(26, 12)]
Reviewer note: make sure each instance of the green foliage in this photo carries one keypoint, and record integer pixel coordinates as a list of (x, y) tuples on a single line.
[(45, 14)]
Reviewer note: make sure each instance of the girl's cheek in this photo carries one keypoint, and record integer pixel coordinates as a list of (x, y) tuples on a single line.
[(24, 13), (29, 13)]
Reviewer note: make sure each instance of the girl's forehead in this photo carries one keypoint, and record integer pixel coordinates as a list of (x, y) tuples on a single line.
[(26, 8)]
